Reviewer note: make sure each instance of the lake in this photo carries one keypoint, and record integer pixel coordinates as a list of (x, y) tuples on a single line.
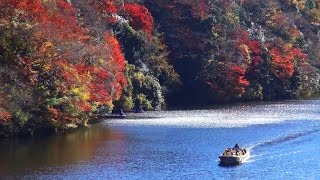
[(283, 138)]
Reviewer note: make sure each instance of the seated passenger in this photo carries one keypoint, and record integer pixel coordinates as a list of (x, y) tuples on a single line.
[(121, 112)]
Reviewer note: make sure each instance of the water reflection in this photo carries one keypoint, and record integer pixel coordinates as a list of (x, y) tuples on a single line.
[(22, 155)]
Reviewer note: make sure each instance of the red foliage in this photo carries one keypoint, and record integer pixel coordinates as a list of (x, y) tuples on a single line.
[(200, 8), (66, 8), (65, 58), (104, 10), (34, 8), (115, 49), (7, 8), (110, 7), (298, 54), (56, 20), (83, 106), (251, 52), (256, 61), (54, 112), (229, 80), (139, 17), (98, 87), (119, 60), (253, 45)]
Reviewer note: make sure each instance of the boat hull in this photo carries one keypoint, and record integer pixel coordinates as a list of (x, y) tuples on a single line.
[(233, 159)]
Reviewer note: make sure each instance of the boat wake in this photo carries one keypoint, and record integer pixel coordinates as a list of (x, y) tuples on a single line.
[(283, 139), (250, 160)]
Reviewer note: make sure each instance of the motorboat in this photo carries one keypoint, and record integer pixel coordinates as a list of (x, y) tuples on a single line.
[(234, 156), (114, 116)]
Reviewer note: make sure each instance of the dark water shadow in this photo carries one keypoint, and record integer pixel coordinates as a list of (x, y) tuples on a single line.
[(228, 165)]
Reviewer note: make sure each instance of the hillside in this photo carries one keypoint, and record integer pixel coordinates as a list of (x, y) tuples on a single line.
[(64, 62), (242, 50)]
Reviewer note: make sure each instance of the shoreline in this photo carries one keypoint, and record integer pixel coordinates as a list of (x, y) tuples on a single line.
[(7, 130)]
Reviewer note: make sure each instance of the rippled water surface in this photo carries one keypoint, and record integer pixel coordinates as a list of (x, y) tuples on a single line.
[(283, 137)]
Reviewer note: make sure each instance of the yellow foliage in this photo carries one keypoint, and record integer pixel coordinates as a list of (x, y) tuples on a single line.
[(245, 52), (300, 4), (75, 90), (244, 49), (81, 92), (47, 45), (288, 46), (315, 16), (47, 67), (233, 18), (139, 76)]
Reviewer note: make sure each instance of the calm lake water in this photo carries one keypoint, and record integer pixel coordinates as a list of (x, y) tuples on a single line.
[(284, 139)]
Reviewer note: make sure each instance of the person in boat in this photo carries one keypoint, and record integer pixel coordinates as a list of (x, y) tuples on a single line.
[(238, 153), (121, 112), (227, 151), (139, 109), (236, 147)]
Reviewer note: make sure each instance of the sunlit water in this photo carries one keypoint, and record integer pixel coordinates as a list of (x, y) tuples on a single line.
[(284, 139)]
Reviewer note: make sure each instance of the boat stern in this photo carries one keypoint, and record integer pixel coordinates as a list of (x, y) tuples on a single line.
[(230, 160)]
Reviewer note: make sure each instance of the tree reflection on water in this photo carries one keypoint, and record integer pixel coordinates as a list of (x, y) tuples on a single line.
[(21, 155)]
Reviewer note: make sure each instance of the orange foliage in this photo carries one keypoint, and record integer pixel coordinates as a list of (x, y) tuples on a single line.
[(282, 64), (5, 117), (294, 33), (83, 106), (237, 74), (283, 59)]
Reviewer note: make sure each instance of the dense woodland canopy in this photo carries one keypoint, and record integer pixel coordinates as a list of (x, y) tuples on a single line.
[(64, 62)]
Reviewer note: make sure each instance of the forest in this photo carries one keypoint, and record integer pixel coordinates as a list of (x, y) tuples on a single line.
[(65, 62)]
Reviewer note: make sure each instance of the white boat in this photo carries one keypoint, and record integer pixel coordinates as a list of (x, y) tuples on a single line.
[(234, 157)]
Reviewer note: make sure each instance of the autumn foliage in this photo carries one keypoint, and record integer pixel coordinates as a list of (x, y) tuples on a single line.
[(283, 60), (252, 50), (62, 62), (70, 73), (139, 17)]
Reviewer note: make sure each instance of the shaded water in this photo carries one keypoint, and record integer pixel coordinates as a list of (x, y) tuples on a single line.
[(283, 137)]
